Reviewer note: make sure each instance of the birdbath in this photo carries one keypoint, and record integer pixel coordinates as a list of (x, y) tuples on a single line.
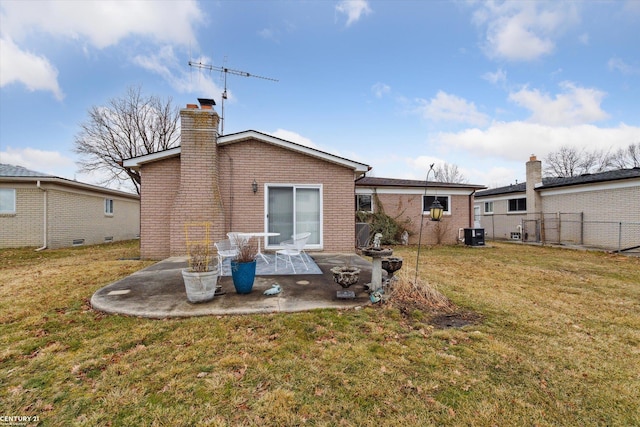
[(391, 265), (377, 253)]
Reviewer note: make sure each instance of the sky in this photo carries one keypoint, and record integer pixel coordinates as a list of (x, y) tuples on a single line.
[(397, 85)]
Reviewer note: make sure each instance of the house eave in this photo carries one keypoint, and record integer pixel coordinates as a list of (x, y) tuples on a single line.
[(357, 167), (136, 163), (67, 183)]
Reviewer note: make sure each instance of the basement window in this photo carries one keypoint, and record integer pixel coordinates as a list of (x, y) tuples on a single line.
[(77, 242), (108, 239)]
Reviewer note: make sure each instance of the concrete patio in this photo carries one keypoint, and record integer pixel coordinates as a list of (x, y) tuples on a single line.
[(158, 291)]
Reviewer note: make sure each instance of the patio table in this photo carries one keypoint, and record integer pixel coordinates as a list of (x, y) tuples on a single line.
[(261, 235)]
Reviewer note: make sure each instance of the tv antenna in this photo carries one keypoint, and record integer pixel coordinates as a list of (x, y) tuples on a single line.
[(226, 71)]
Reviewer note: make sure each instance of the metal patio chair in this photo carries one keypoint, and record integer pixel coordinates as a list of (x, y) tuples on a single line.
[(293, 247)]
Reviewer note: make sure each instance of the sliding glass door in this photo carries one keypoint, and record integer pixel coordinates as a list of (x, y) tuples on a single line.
[(294, 209)]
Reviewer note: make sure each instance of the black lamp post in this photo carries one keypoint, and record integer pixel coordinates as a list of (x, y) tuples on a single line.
[(435, 211)]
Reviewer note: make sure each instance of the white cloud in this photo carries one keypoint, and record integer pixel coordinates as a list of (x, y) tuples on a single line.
[(500, 76), (523, 31), (447, 107), (576, 105), (35, 72), (98, 24), (354, 9), (617, 64), (104, 23), (291, 136), (49, 162), (380, 89), (168, 66), (517, 140)]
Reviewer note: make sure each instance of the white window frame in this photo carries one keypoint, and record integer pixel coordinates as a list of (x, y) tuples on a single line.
[(9, 210), (370, 196), (426, 210), (488, 211), (108, 207)]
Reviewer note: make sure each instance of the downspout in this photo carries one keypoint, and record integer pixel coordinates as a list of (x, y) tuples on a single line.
[(44, 244), (472, 216)]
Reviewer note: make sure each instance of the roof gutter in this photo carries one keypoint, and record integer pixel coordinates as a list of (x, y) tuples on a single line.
[(44, 244)]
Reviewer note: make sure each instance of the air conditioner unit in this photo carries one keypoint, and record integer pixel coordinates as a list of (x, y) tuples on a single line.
[(474, 236)]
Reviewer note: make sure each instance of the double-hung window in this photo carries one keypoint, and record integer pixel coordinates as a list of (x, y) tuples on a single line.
[(108, 207), (488, 207), (7, 201)]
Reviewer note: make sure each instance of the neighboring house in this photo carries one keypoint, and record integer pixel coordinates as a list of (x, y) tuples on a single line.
[(46, 211), (406, 202), (600, 209), (243, 182)]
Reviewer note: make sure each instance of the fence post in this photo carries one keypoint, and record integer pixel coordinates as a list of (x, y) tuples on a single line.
[(619, 237)]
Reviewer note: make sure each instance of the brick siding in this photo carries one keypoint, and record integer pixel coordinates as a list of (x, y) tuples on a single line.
[(71, 214)]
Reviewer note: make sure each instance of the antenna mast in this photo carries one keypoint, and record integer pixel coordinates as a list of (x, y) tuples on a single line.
[(226, 71)]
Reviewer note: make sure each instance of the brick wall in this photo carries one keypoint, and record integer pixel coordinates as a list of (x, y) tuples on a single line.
[(80, 215), (72, 213), (242, 162), (25, 227), (160, 183), (406, 208), (198, 198)]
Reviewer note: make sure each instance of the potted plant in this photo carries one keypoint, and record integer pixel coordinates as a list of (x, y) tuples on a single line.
[(243, 266), (200, 279)]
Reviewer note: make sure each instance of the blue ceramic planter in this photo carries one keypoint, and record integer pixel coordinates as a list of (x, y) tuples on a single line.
[(243, 274)]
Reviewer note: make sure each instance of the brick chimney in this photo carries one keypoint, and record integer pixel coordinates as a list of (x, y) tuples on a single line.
[(198, 198), (534, 180)]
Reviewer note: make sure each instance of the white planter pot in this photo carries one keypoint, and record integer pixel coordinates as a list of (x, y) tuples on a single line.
[(200, 287)]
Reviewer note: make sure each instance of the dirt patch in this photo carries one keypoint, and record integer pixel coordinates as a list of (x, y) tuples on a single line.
[(455, 320)]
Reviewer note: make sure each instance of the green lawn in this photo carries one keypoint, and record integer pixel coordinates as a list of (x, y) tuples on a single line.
[(556, 341)]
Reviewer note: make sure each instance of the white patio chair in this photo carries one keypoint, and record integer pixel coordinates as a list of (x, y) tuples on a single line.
[(299, 236), (226, 249), (293, 247)]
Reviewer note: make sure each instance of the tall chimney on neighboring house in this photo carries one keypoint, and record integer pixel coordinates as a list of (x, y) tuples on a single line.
[(534, 180), (198, 198)]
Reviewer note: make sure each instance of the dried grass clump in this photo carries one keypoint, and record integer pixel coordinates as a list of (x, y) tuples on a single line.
[(406, 290), (247, 250), (199, 258)]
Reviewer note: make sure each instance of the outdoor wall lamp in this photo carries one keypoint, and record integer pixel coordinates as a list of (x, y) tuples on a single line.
[(254, 186)]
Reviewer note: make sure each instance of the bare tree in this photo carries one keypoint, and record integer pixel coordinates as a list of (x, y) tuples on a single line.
[(570, 161), (628, 157), (447, 172), (130, 126)]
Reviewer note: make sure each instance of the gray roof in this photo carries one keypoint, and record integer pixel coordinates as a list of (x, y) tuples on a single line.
[(12, 173), (11, 170), (555, 182), (372, 181)]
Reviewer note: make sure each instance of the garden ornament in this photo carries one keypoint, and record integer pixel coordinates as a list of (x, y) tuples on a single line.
[(273, 290)]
